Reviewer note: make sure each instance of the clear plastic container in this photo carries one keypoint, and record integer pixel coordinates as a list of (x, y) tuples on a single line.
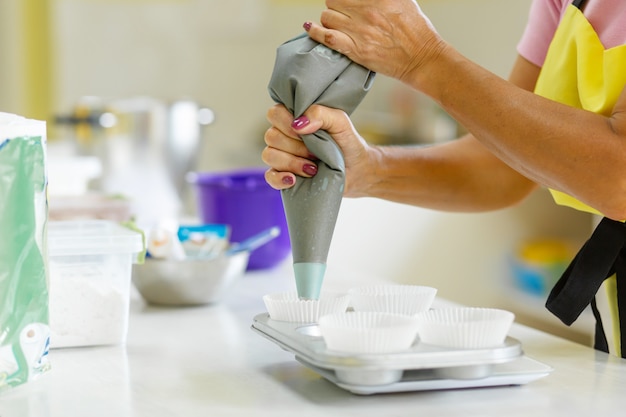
[(90, 264)]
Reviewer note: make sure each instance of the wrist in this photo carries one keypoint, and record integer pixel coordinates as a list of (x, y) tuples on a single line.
[(427, 66), (365, 176)]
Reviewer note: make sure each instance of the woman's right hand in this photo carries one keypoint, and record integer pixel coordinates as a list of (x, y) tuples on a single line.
[(287, 156), (391, 37)]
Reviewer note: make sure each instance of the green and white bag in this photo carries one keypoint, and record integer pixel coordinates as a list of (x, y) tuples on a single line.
[(24, 329)]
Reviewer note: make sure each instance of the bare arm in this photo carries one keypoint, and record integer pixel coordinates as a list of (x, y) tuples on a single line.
[(575, 151), (461, 175)]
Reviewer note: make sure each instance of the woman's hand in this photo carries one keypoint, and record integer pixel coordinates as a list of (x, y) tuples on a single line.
[(391, 37), (287, 155)]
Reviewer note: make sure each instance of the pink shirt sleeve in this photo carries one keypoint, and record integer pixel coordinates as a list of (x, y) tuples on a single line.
[(543, 19)]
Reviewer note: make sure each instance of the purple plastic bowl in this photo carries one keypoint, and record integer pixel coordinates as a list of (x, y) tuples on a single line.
[(242, 199)]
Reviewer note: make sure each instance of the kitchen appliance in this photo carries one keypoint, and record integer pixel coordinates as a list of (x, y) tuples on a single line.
[(146, 146)]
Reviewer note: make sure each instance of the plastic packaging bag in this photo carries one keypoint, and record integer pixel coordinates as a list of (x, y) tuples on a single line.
[(24, 329)]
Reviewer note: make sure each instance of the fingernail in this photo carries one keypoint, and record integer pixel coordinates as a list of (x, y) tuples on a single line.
[(307, 26), (300, 122), (310, 169), (288, 180)]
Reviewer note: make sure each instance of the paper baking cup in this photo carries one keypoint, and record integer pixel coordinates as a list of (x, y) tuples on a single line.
[(287, 306), (396, 299), (368, 332), (464, 328)]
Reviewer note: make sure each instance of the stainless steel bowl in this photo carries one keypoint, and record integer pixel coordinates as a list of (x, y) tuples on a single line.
[(188, 282)]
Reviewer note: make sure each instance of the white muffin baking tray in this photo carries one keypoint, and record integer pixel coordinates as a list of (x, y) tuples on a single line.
[(421, 368)]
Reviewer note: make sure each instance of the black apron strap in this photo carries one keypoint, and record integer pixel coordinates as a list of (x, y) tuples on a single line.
[(599, 340), (603, 255), (592, 265), (579, 3), (620, 270)]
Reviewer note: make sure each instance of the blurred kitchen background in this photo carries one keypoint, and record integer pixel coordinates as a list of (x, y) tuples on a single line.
[(143, 91)]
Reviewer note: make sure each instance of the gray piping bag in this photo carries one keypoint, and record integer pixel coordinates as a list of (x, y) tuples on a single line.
[(307, 73)]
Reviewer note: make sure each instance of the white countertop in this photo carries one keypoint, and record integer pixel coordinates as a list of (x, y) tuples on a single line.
[(206, 361)]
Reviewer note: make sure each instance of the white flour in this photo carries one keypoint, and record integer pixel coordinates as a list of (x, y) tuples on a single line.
[(88, 305)]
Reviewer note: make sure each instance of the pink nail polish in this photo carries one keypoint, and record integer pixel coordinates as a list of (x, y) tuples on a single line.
[(300, 122), (307, 26), (288, 180), (309, 169)]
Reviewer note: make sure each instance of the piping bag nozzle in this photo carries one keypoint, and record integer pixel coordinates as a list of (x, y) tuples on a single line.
[(309, 278)]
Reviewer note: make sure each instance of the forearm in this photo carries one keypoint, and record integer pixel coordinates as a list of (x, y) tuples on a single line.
[(456, 176), (564, 148)]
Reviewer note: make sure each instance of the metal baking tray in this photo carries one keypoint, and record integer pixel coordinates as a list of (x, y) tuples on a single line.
[(422, 367)]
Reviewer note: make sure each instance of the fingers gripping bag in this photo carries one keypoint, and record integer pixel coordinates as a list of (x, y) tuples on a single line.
[(24, 329)]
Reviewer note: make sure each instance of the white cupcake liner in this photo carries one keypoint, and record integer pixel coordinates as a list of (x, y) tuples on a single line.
[(367, 332), (464, 327), (287, 306), (392, 298)]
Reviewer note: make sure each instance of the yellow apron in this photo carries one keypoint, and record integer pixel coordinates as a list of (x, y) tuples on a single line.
[(580, 72)]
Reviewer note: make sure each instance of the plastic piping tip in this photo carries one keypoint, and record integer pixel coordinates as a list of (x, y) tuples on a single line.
[(309, 279)]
